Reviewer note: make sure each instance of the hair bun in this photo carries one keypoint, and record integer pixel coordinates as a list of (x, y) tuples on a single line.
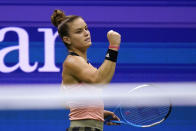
[(57, 17)]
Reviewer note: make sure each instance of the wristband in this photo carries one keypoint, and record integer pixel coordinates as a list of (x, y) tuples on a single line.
[(111, 55), (114, 47)]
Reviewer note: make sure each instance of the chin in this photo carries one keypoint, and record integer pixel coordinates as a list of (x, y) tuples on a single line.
[(89, 44)]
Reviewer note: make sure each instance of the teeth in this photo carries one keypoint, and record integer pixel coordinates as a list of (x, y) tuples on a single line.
[(87, 39)]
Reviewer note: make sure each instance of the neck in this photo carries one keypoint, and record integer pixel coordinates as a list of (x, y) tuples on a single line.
[(82, 53)]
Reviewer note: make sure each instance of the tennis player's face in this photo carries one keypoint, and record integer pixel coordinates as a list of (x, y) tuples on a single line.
[(79, 34)]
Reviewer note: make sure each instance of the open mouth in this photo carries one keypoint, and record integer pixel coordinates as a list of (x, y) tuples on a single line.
[(88, 39)]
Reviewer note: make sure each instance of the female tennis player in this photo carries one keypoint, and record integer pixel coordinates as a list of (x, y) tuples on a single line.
[(76, 70)]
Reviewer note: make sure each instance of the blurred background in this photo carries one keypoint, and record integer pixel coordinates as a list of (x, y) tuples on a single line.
[(158, 45)]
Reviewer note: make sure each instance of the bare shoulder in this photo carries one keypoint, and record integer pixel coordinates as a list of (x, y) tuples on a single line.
[(77, 67), (72, 61), (74, 64)]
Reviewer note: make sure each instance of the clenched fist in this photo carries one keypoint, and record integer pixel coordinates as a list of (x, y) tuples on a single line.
[(114, 38)]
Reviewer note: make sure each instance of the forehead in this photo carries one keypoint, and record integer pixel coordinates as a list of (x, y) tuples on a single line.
[(77, 23)]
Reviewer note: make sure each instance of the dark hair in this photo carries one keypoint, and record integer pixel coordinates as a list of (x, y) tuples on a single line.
[(60, 20)]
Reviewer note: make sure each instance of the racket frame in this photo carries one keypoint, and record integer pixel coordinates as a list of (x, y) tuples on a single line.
[(132, 124)]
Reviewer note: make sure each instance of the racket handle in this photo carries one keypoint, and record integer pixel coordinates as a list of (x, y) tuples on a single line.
[(118, 122), (108, 119)]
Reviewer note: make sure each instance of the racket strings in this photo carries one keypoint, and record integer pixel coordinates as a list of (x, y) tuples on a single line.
[(144, 115), (148, 115), (141, 121), (148, 120), (144, 110)]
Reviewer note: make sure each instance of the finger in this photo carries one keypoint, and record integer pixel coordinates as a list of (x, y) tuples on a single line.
[(115, 117), (110, 31), (116, 123), (111, 123)]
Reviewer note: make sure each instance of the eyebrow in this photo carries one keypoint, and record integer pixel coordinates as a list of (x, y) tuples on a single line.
[(80, 28)]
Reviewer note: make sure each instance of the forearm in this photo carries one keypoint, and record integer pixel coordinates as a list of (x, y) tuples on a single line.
[(106, 71)]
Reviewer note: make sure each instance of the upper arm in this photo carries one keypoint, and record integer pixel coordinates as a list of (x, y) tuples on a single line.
[(81, 70)]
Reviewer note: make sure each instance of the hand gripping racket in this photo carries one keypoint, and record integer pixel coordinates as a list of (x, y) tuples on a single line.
[(144, 111)]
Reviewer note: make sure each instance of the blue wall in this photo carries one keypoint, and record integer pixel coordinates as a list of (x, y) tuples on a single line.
[(158, 45), (146, 55)]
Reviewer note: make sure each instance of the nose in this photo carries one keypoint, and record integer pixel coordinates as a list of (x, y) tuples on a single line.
[(86, 32)]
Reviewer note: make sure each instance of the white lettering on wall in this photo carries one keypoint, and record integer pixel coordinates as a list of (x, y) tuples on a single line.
[(22, 47), (49, 50)]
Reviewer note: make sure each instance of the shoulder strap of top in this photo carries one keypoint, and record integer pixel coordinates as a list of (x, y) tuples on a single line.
[(75, 54)]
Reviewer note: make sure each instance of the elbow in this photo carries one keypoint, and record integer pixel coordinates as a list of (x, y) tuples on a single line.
[(94, 79), (98, 79)]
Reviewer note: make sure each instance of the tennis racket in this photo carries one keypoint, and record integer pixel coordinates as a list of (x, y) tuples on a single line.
[(143, 113)]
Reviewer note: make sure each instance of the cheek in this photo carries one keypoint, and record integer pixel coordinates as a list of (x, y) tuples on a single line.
[(76, 39)]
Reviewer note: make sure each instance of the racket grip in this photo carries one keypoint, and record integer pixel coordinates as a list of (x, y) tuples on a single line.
[(107, 119), (118, 122)]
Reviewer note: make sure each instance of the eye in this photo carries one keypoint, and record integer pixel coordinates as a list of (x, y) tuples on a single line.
[(86, 28), (78, 31)]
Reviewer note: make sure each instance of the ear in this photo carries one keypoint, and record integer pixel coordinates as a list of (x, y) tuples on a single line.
[(67, 40)]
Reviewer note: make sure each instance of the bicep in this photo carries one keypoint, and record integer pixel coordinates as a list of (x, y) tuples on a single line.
[(83, 71), (87, 75)]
